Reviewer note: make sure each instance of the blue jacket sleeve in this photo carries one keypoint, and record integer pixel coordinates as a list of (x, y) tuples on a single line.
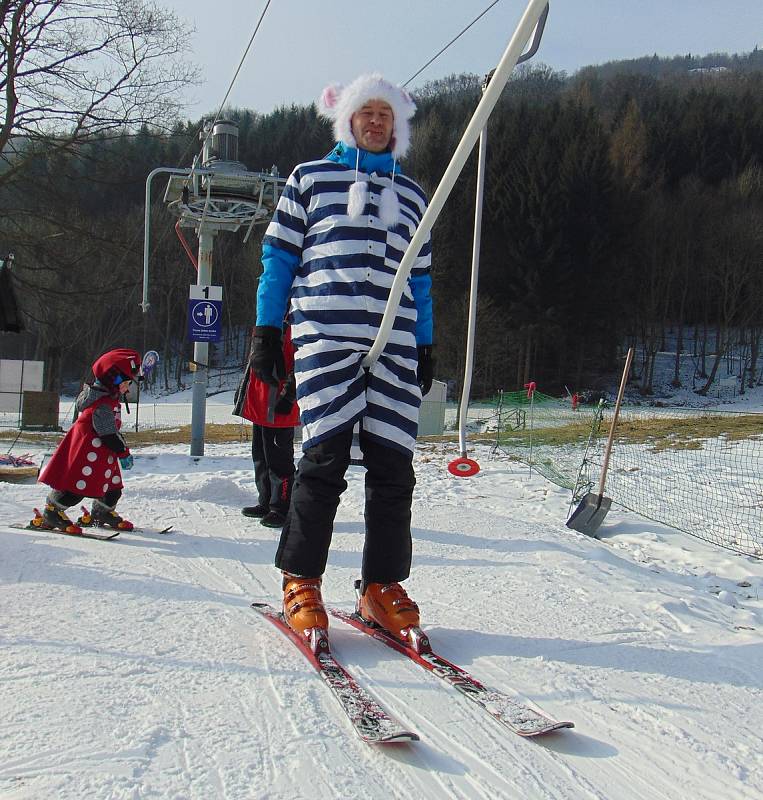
[(421, 286), (279, 269)]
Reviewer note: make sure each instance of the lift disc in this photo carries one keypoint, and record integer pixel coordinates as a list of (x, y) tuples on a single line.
[(463, 467)]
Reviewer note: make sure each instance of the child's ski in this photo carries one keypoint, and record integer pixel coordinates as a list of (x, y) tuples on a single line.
[(162, 531), (87, 521), (83, 535)]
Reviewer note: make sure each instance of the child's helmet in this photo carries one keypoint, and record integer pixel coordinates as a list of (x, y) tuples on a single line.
[(116, 366)]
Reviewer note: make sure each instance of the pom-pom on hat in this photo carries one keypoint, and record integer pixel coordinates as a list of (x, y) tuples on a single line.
[(338, 103)]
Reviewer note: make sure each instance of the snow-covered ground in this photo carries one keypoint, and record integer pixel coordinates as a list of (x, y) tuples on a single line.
[(135, 668)]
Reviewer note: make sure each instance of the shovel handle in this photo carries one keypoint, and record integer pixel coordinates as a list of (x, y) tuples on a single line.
[(608, 450)]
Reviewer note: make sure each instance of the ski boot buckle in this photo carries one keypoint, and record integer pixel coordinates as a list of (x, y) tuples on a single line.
[(417, 640), (317, 640)]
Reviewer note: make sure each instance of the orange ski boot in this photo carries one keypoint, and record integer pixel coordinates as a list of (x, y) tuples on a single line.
[(54, 518), (303, 606), (388, 605)]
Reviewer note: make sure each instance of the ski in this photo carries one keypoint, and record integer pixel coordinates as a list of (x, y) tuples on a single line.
[(162, 531), (370, 721), (84, 535), (136, 529), (86, 521), (514, 714)]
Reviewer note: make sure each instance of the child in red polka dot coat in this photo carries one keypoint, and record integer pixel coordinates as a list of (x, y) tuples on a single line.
[(87, 461)]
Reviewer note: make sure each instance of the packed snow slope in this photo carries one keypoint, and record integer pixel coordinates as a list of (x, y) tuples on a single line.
[(136, 669)]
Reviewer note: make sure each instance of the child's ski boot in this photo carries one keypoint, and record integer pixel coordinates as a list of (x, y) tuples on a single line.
[(53, 518), (104, 517)]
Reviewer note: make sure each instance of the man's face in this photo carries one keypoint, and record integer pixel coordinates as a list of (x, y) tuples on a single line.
[(372, 126)]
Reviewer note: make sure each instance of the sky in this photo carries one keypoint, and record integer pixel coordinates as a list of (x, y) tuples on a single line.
[(303, 45)]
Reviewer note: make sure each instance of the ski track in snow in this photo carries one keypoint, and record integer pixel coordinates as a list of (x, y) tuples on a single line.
[(135, 668)]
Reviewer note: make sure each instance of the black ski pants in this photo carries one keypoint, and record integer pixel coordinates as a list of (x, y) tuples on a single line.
[(306, 537), (273, 457)]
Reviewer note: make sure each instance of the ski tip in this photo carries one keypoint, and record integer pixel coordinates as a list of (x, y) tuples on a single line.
[(545, 730), (403, 737)]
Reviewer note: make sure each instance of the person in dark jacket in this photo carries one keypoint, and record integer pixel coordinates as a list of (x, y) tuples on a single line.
[(273, 412)]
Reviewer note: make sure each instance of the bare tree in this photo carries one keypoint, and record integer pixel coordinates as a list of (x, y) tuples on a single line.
[(74, 69), (734, 244)]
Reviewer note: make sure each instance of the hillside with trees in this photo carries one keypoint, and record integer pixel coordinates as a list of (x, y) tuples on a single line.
[(623, 204)]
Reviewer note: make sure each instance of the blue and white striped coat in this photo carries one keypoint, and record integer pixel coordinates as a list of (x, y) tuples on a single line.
[(337, 273)]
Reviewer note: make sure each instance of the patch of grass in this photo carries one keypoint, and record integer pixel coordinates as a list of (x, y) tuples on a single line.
[(45, 437), (661, 433), (553, 436), (688, 433), (213, 432)]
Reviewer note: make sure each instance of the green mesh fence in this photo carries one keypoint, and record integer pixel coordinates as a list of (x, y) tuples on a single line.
[(546, 433), (695, 470)]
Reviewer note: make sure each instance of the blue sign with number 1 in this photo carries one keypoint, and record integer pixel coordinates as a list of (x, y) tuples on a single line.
[(205, 313)]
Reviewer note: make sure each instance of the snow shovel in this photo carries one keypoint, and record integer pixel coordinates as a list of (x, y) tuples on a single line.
[(590, 513)]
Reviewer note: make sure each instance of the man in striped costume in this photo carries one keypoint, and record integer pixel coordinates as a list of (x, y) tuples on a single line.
[(332, 249)]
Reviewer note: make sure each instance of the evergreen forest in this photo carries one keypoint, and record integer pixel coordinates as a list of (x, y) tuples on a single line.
[(623, 205)]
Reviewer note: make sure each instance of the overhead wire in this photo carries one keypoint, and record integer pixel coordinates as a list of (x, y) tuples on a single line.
[(217, 115), (230, 87), (211, 127), (454, 39)]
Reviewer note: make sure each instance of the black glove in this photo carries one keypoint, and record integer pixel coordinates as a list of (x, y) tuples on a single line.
[(425, 371), (267, 355), (288, 396)]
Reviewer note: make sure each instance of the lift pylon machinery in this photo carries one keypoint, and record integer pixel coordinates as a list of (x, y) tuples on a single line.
[(219, 195)]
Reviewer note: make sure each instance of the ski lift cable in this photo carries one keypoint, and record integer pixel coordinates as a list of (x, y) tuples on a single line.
[(243, 58), (222, 104), (232, 83), (189, 177), (452, 41)]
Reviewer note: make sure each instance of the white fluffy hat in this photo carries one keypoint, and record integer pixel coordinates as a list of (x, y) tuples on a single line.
[(339, 103)]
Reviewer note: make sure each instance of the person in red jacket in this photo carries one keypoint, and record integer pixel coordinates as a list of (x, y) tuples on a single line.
[(87, 461), (274, 413)]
